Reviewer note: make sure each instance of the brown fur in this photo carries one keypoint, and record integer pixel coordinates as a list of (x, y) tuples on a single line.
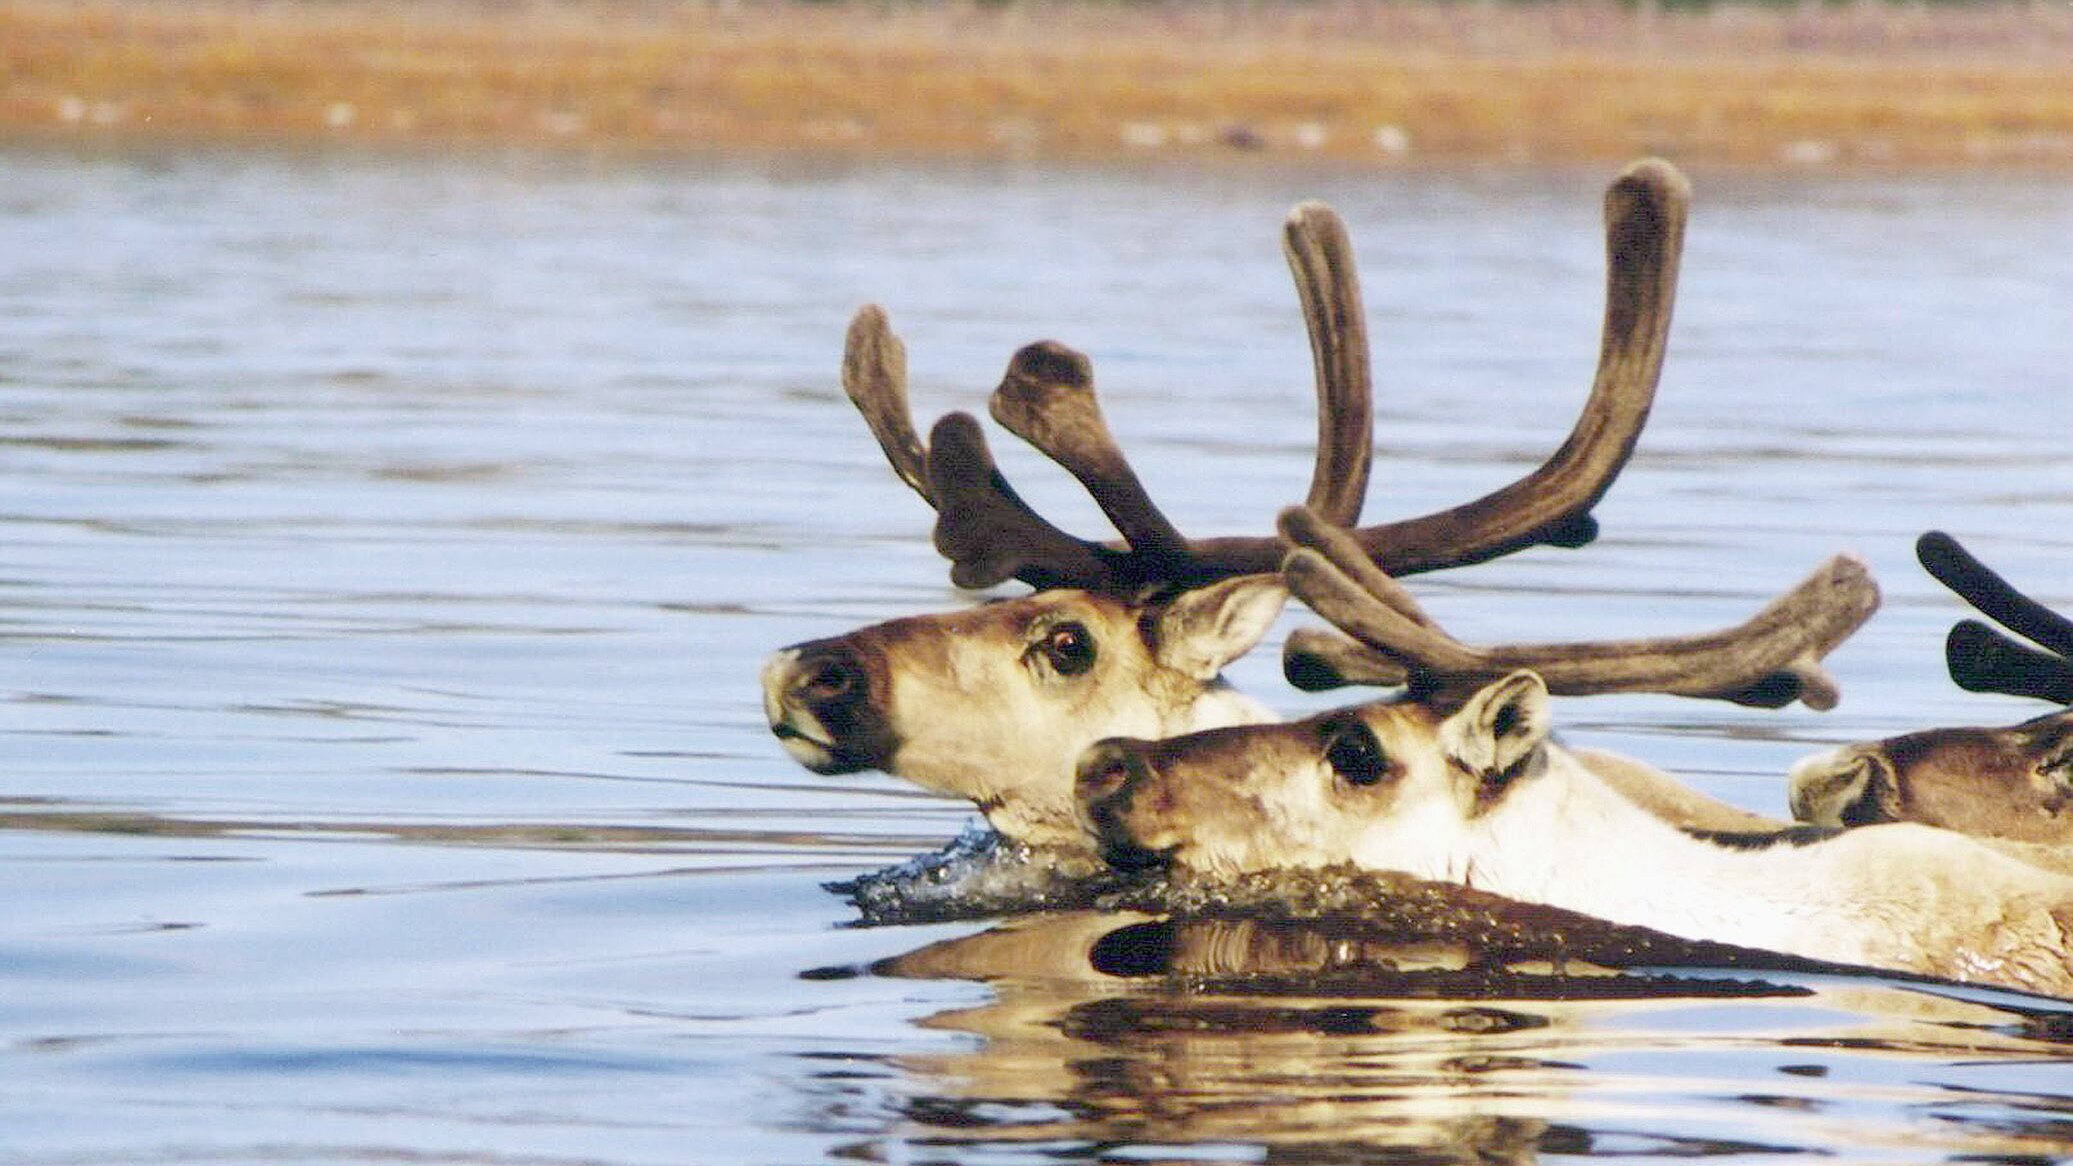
[(2013, 783), (980, 704)]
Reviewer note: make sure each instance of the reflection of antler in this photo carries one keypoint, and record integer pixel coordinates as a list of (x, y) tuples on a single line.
[(1769, 661), (1047, 398), (1981, 659)]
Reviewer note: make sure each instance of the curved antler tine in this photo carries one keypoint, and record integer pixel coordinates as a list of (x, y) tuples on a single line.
[(1803, 680), (1645, 213), (1300, 526), (874, 374), (987, 531), (1320, 256), (1981, 659), (1318, 660), (1994, 597), (1047, 399), (1769, 661), (1422, 650)]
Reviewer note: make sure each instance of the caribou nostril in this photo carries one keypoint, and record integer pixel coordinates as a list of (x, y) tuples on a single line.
[(828, 681)]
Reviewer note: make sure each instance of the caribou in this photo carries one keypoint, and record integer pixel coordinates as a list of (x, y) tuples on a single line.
[(995, 704), (1461, 781), (2013, 782)]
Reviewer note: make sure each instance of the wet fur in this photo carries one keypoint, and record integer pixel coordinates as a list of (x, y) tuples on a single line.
[(1900, 896)]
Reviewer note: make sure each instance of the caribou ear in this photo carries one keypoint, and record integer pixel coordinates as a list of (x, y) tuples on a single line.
[(1202, 630), (1842, 787), (1498, 735)]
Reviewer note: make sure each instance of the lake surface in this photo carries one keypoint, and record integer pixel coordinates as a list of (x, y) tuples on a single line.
[(388, 547)]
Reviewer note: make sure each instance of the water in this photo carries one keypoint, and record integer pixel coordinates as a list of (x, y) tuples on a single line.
[(388, 546)]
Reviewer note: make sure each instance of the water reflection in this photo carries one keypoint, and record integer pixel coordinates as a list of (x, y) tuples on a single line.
[(1201, 1047)]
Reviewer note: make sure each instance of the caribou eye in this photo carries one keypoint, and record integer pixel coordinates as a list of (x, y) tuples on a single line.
[(1068, 648), (1354, 753)]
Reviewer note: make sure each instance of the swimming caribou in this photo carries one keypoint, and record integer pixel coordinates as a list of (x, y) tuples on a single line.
[(2014, 782), (995, 703), (1462, 782)]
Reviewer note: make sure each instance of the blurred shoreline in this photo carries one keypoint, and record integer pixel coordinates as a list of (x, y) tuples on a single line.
[(1400, 83)]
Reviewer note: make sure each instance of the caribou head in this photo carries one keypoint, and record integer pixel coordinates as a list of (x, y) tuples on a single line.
[(995, 704), (1392, 785), (2014, 782)]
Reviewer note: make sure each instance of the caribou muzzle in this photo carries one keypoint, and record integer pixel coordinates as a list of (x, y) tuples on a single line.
[(1110, 774), (826, 706)]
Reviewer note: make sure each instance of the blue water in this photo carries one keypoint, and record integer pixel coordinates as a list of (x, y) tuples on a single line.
[(388, 546)]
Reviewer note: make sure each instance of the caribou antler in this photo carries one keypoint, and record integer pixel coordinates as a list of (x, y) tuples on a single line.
[(1769, 661), (1047, 398), (1645, 213), (1981, 659), (1321, 256), (874, 374)]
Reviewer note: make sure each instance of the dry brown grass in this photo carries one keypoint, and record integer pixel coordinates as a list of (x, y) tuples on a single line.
[(1578, 79)]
